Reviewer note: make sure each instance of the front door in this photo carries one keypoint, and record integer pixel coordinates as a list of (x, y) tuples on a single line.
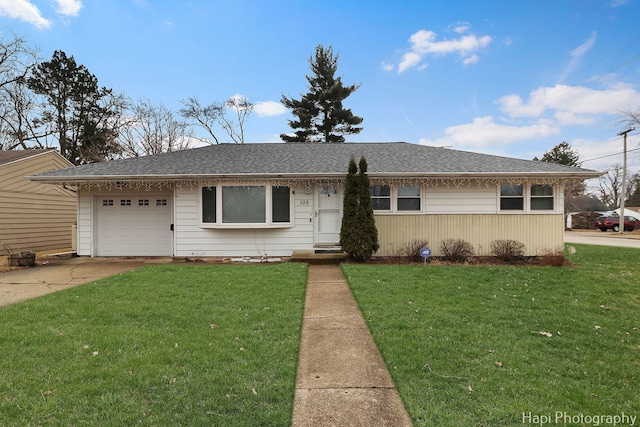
[(328, 215)]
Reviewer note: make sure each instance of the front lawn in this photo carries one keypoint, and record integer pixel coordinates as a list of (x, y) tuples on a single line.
[(500, 345), (164, 345)]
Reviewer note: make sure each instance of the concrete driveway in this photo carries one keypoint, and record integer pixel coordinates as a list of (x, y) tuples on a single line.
[(54, 273)]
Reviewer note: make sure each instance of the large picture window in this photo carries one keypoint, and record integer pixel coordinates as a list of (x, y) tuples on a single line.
[(246, 206), (241, 205)]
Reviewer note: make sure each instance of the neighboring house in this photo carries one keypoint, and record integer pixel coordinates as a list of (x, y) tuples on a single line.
[(34, 216), (272, 199), (583, 211)]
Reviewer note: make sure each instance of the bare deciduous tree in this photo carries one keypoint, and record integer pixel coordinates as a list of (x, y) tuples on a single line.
[(218, 115), (16, 103), (610, 187), (152, 129)]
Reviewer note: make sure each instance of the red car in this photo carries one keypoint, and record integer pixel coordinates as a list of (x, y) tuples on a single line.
[(605, 223)]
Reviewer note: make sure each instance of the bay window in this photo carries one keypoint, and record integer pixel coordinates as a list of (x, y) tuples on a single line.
[(256, 206)]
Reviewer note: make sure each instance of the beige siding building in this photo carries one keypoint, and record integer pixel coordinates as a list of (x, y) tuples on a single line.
[(34, 216)]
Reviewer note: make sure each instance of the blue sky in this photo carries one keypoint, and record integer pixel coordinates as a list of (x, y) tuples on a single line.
[(513, 78)]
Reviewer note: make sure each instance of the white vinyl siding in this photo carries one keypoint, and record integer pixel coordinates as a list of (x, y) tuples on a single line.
[(474, 199), (191, 239)]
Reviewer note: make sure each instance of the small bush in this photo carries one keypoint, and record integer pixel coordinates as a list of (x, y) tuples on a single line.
[(507, 250), (412, 251), (456, 250)]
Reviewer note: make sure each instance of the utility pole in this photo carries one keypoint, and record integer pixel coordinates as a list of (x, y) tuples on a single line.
[(624, 179)]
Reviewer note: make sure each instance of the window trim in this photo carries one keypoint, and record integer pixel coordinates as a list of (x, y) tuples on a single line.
[(269, 222), (394, 197)]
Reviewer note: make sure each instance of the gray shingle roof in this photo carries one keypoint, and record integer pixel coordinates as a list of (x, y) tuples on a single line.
[(384, 159)]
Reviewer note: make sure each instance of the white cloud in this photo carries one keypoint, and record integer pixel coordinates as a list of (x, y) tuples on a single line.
[(269, 108), (577, 54), (461, 27), (547, 111), (423, 43), (409, 60), (570, 101), (25, 11), (616, 3), (68, 7), (471, 59), (386, 66), (485, 132)]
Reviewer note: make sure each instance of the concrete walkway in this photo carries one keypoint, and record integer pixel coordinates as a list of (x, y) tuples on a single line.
[(341, 379)]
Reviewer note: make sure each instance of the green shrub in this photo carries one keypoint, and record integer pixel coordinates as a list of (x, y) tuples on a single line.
[(358, 233)]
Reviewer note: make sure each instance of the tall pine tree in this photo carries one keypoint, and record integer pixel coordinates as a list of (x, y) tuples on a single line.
[(358, 234), (81, 114), (320, 114)]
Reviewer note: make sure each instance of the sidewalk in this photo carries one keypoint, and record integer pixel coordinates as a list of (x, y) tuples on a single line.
[(341, 379)]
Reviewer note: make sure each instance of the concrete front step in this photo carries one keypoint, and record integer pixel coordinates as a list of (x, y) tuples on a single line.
[(318, 256)]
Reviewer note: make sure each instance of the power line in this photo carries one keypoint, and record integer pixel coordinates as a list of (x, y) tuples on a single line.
[(608, 155), (601, 59)]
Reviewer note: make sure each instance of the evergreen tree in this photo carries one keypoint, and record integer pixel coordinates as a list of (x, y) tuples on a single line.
[(561, 154), (80, 113), (358, 234), (320, 114)]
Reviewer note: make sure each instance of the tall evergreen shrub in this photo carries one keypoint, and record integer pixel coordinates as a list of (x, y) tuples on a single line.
[(358, 234)]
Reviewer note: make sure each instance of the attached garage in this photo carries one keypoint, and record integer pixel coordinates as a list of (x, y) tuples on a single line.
[(133, 225)]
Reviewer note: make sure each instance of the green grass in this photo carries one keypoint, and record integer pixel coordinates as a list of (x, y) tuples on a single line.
[(441, 330), (164, 345)]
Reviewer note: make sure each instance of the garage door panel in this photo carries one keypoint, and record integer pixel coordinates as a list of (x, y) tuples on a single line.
[(134, 226)]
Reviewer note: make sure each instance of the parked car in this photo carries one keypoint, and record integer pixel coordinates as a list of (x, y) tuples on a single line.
[(605, 223)]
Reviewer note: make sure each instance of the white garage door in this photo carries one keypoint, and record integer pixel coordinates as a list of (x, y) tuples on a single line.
[(134, 225)]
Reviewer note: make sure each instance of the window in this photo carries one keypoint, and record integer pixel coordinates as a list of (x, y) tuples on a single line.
[(511, 197), (280, 204), (402, 198), (381, 197), (209, 204), (107, 202), (161, 202), (243, 204), (126, 202), (246, 206), (143, 202), (408, 198), (541, 197)]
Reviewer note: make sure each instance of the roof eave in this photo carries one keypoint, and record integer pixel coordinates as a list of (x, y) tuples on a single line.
[(199, 177)]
